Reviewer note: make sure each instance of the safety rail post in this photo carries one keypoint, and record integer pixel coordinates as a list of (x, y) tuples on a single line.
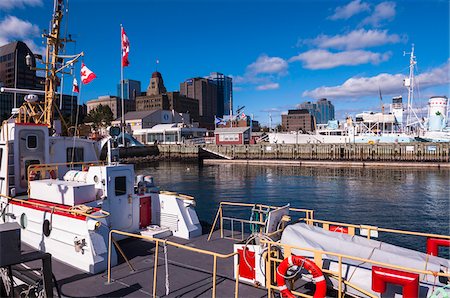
[(236, 283), (215, 221), (155, 268), (340, 277), (109, 256), (221, 222), (214, 277)]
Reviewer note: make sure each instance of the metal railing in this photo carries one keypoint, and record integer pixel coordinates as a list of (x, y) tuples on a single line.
[(318, 258), (352, 229), (260, 209), (169, 243)]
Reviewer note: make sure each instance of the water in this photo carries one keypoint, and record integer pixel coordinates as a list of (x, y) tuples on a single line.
[(408, 199)]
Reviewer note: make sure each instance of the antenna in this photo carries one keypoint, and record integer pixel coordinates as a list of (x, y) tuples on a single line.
[(381, 100)]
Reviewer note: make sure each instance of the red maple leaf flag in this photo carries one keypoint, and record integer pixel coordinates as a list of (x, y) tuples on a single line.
[(86, 74), (75, 88), (125, 49)]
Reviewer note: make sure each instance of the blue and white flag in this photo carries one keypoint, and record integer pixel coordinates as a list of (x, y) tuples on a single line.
[(219, 121)]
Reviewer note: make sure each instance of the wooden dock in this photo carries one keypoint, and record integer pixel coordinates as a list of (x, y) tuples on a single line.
[(401, 152)]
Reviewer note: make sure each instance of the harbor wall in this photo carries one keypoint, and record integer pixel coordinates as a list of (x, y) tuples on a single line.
[(410, 152)]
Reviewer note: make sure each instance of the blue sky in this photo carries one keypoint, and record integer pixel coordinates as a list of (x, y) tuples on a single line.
[(280, 53)]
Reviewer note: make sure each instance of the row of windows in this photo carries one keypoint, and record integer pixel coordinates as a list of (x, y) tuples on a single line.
[(6, 57)]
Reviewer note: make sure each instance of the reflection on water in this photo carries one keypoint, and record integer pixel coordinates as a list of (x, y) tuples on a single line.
[(413, 199)]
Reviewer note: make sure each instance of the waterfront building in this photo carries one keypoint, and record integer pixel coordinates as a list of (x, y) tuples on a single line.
[(224, 93), (131, 89), (113, 102), (322, 110), (136, 120), (157, 98), (205, 91), (232, 135), (298, 120), (173, 133)]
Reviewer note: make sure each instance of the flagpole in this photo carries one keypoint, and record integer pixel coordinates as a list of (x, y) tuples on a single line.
[(121, 85), (71, 102)]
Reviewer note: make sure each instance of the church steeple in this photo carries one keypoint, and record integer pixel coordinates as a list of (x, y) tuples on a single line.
[(156, 85)]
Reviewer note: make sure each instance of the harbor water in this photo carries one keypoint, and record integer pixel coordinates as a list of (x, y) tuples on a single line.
[(399, 198)]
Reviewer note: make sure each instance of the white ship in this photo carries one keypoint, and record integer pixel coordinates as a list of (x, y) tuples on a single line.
[(381, 127)]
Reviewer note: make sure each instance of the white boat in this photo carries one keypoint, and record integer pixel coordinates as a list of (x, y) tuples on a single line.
[(64, 199)]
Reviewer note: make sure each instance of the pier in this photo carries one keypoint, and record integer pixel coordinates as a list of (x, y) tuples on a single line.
[(408, 152)]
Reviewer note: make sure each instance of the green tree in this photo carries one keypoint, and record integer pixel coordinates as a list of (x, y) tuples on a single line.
[(101, 116)]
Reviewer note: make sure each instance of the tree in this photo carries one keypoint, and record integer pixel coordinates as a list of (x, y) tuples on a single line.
[(101, 116)]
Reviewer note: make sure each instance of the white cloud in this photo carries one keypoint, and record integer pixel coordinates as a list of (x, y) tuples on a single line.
[(324, 59), (349, 10), (356, 39), (10, 4), (388, 83), (270, 86), (268, 65), (383, 11), (12, 28)]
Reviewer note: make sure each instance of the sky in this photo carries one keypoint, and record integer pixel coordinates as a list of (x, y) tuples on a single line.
[(279, 53)]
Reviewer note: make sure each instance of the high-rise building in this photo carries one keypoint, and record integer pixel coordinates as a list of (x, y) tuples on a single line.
[(205, 91), (224, 93), (131, 89), (322, 110), (14, 73)]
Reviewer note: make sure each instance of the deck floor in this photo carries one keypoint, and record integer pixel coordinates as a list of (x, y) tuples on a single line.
[(190, 273)]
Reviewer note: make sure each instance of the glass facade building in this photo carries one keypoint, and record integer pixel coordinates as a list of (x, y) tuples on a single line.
[(131, 89), (322, 110), (224, 93)]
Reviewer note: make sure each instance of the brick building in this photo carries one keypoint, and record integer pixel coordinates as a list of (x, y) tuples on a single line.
[(113, 102), (298, 120)]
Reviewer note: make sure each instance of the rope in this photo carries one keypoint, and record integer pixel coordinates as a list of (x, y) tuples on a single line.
[(166, 266), (82, 208)]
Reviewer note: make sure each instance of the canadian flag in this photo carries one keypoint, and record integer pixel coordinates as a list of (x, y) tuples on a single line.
[(75, 88), (125, 49), (86, 74)]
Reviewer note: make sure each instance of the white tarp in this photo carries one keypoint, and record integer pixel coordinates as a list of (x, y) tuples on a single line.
[(359, 273)]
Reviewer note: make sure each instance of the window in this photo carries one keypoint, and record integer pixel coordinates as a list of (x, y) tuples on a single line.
[(31, 141), (120, 185), (75, 154)]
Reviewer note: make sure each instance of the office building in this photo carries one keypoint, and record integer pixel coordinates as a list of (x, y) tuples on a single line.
[(113, 102), (205, 91), (14, 73), (322, 110), (157, 98), (224, 93), (298, 120), (131, 89)]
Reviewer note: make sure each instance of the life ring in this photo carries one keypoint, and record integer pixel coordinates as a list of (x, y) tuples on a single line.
[(318, 278)]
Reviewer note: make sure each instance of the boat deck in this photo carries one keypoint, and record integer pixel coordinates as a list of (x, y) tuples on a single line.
[(189, 273)]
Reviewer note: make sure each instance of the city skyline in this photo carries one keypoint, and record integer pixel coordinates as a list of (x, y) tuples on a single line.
[(279, 54)]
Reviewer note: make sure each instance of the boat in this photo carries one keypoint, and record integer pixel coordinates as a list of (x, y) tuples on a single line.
[(380, 127), (109, 231), (64, 198)]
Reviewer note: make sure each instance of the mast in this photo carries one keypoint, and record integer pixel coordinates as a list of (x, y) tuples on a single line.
[(43, 112), (409, 83)]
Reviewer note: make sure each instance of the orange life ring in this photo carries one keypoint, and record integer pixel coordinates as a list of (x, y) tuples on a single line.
[(318, 278)]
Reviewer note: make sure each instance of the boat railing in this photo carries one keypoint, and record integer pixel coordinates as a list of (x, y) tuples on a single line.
[(47, 171), (164, 243), (253, 224), (272, 262), (367, 230), (92, 213)]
